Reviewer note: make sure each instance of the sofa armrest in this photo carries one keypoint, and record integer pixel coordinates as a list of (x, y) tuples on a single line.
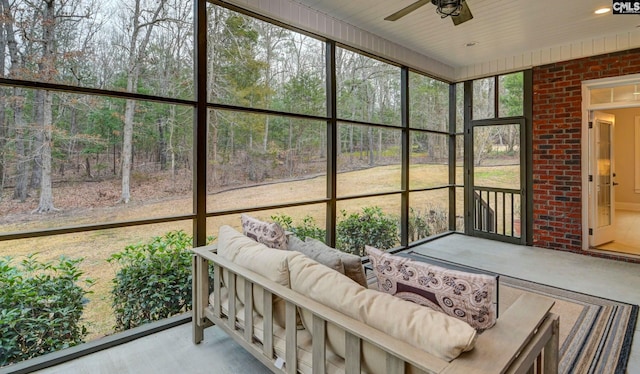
[(526, 326), (204, 251), (200, 289)]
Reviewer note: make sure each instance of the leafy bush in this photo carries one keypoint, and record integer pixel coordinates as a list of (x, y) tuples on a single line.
[(433, 221), (418, 226), (308, 228), (154, 280), (370, 227), (41, 305)]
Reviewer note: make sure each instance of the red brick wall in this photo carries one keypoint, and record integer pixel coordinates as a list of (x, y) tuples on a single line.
[(557, 131)]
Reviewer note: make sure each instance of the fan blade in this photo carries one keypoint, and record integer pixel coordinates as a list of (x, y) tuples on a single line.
[(403, 12), (464, 16)]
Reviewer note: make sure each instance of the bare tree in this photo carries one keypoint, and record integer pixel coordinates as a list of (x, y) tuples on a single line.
[(271, 39), (215, 15), (52, 14), (3, 105), (176, 47), (141, 24), (16, 68), (44, 102)]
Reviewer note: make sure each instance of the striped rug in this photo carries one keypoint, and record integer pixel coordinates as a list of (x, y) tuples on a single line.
[(595, 333)]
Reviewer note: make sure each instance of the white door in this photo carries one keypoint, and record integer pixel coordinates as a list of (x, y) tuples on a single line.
[(602, 191)]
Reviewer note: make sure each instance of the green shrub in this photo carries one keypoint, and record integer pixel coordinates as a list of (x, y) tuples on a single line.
[(153, 281), (41, 305), (307, 229), (418, 226), (434, 220), (370, 227)]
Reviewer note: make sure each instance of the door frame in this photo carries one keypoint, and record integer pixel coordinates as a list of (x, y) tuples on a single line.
[(595, 232), (587, 113)]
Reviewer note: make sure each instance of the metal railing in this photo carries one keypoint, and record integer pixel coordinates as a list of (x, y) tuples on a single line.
[(497, 211)]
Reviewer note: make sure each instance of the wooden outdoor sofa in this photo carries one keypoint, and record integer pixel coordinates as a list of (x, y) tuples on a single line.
[(524, 340)]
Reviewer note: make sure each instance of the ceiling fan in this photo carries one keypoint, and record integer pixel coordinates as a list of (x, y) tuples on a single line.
[(458, 10)]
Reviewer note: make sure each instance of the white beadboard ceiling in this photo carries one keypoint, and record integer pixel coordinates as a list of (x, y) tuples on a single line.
[(509, 34)]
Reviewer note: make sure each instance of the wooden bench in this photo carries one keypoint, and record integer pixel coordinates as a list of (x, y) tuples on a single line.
[(525, 339)]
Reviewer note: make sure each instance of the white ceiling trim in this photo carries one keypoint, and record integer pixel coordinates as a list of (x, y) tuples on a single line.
[(311, 20), (528, 59)]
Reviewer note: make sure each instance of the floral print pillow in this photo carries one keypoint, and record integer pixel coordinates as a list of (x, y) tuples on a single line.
[(466, 296), (267, 233)]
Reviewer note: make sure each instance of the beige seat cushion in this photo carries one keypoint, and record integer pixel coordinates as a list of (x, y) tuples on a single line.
[(251, 255), (334, 363), (434, 332)]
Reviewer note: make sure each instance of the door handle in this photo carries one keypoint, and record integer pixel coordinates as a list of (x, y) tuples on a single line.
[(615, 183)]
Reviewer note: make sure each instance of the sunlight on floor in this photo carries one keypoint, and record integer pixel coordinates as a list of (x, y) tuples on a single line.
[(627, 233)]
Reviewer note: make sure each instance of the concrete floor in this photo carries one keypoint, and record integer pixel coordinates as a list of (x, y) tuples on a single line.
[(168, 352), (171, 351)]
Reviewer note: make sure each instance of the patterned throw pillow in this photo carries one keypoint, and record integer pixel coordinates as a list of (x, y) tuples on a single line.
[(269, 234), (466, 296)]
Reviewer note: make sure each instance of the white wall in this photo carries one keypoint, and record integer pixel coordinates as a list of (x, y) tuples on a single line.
[(625, 165)]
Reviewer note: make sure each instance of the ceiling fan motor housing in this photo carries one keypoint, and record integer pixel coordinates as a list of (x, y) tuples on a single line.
[(447, 7)]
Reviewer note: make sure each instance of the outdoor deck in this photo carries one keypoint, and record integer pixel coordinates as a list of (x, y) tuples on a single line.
[(171, 351)]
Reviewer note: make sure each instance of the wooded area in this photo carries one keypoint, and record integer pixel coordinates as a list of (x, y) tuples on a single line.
[(144, 46), (101, 158)]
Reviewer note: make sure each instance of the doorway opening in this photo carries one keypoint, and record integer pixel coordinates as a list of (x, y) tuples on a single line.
[(497, 201), (611, 165)]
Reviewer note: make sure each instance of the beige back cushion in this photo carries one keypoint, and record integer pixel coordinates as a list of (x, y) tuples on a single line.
[(434, 332), (268, 262)]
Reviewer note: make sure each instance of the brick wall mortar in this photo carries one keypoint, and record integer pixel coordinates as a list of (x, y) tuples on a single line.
[(557, 152)]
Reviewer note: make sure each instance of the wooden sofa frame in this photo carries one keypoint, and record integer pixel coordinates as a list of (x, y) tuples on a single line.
[(525, 339)]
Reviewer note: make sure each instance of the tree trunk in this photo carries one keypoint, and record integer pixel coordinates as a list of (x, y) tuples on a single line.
[(38, 138), (290, 151), (3, 103), (17, 103), (88, 167), (46, 68), (136, 52), (212, 121), (73, 131), (46, 192), (3, 134), (170, 151), (379, 145), (265, 139), (22, 165), (162, 144), (371, 146), (127, 148)]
